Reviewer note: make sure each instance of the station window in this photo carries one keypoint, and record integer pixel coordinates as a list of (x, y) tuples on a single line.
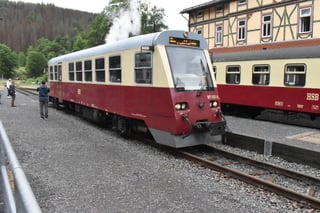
[(219, 8), (115, 69), (295, 75), (71, 71), (199, 13), (233, 75), (143, 68), (51, 72), (88, 70), (100, 70), (240, 2), (305, 20), (261, 75), (79, 71), (266, 26), (242, 25), (219, 34)]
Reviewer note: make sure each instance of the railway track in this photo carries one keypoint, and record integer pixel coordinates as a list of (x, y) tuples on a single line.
[(260, 174), (270, 177)]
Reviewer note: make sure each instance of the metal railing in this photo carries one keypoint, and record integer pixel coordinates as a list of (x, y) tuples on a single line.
[(19, 197)]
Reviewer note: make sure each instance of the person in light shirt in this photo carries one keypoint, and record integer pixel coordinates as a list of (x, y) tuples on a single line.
[(8, 84)]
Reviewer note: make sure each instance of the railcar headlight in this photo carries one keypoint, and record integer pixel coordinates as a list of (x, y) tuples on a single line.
[(213, 104), (181, 106)]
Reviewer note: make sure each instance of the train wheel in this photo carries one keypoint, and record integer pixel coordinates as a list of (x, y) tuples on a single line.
[(122, 125), (125, 130), (55, 103)]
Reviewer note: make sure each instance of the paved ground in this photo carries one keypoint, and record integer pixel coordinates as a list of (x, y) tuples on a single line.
[(306, 138)]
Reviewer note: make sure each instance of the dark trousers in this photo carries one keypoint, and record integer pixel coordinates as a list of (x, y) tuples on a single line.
[(43, 108), (13, 98)]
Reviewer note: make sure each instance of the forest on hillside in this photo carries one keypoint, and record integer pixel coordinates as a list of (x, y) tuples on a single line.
[(22, 24)]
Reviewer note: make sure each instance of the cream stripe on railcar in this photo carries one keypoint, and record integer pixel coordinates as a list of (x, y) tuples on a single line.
[(162, 76)]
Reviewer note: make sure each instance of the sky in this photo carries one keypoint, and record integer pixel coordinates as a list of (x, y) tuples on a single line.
[(172, 8)]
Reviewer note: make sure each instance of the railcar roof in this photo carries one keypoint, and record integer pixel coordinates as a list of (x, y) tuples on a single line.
[(133, 42), (269, 54)]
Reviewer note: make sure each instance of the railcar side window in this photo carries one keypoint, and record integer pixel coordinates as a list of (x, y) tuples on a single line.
[(59, 72), (100, 71), (79, 71), (261, 75), (88, 70), (71, 71), (233, 74), (115, 69), (143, 68), (295, 75), (51, 72), (55, 77)]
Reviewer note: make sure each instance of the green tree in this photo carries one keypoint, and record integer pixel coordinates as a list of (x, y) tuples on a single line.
[(21, 59), (8, 61), (49, 48), (65, 41), (98, 30), (36, 62), (79, 43), (152, 19)]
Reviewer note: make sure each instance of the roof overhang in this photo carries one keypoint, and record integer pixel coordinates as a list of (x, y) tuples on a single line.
[(204, 5)]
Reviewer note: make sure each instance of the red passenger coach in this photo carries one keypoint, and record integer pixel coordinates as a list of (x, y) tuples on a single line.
[(282, 77), (160, 83)]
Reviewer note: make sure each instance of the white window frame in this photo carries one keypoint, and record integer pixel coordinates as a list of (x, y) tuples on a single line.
[(266, 28), (305, 13), (242, 30), (219, 34), (241, 2)]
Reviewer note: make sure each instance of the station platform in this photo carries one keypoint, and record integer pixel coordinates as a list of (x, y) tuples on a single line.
[(293, 143)]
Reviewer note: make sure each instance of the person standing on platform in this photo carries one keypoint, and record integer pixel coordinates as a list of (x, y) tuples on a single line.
[(12, 93), (8, 86), (43, 99)]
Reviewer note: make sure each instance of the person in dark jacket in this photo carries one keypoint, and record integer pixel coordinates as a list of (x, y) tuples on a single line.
[(12, 93), (43, 99)]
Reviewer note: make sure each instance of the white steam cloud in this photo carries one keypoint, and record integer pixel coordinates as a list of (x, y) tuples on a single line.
[(127, 23)]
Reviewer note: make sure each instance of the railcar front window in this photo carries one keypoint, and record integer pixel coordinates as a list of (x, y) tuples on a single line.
[(190, 69)]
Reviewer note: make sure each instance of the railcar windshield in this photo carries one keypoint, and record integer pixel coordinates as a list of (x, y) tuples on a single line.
[(190, 69)]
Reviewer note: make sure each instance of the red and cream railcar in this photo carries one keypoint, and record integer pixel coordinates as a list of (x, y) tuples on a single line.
[(286, 79), (161, 82)]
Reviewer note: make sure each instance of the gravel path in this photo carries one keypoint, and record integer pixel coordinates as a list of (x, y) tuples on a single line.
[(74, 166)]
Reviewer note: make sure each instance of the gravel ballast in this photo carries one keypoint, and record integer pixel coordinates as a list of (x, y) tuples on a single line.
[(75, 166)]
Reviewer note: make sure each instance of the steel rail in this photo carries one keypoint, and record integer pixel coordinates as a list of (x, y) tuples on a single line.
[(265, 165), (293, 195)]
